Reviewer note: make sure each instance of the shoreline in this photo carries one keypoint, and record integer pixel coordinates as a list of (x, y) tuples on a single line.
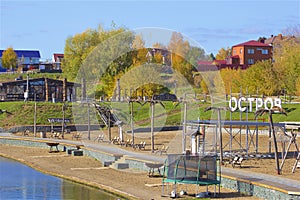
[(125, 184), (103, 187)]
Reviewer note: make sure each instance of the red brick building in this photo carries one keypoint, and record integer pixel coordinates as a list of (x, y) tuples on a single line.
[(250, 52)]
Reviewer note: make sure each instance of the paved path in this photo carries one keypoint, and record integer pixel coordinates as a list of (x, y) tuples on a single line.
[(260, 178)]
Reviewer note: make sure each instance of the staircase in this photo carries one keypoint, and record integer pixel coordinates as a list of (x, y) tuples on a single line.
[(119, 164), (106, 115)]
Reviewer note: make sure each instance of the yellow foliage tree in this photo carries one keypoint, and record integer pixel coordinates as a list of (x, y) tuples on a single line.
[(9, 58)]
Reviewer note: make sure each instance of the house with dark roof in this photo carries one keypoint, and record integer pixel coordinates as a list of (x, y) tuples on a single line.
[(27, 58), (39, 89)]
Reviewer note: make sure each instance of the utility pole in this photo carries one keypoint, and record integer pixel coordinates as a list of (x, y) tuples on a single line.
[(89, 122), (219, 128), (132, 122), (152, 104), (63, 120), (109, 130), (34, 120)]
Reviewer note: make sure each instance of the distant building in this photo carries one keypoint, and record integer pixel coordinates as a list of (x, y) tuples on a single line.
[(242, 56), (57, 60), (250, 52), (29, 59), (41, 89)]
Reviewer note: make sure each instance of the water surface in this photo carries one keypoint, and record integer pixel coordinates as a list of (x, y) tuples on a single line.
[(18, 181)]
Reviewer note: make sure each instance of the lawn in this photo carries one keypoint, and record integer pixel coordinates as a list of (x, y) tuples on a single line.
[(22, 113)]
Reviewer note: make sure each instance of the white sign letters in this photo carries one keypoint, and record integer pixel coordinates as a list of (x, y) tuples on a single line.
[(267, 103)]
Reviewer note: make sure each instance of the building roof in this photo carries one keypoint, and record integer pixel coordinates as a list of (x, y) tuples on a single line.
[(252, 43), (57, 57), (214, 62), (219, 62), (25, 53)]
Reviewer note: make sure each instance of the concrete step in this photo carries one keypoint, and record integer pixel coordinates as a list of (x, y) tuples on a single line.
[(120, 163)]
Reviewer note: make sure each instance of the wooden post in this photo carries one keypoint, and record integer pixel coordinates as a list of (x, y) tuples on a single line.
[(184, 127), (64, 90), (89, 123), (63, 121), (132, 122), (109, 130), (83, 89), (220, 132), (46, 90), (152, 104), (34, 123), (118, 91), (275, 142)]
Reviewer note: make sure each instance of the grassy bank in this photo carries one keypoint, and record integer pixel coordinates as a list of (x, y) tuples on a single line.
[(22, 113), (12, 77)]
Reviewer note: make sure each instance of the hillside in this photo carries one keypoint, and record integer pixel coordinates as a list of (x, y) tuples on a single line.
[(22, 113)]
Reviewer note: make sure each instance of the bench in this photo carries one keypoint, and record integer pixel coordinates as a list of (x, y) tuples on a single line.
[(51, 145), (76, 136), (237, 161), (55, 134), (140, 146), (26, 132), (152, 167)]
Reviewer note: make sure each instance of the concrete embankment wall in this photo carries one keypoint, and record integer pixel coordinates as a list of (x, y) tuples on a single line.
[(243, 186)]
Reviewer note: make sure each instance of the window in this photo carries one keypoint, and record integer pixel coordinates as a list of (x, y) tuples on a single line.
[(241, 50), (250, 61), (264, 51), (250, 51), (234, 52)]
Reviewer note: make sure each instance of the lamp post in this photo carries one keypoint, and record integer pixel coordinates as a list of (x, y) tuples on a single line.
[(26, 93), (34, 126), (131, 120), (64, 107)]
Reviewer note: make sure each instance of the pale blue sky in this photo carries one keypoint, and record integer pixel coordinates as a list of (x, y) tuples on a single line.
[(45, 25)]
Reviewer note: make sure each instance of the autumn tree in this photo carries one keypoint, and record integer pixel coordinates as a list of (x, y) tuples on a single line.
[(287, 62), (223, 53), (141, 51), (9, 58), (80, 47), (77, 49), (261, 75), (183, 56)]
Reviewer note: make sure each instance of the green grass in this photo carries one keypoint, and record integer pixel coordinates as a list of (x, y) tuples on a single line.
[(11, 77), (22, 113)]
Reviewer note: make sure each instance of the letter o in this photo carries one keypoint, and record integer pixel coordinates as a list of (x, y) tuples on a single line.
[(235, 104), (269, 99)]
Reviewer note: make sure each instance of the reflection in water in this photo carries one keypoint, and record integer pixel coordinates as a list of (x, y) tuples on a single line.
[(18, 181), (76, 191)]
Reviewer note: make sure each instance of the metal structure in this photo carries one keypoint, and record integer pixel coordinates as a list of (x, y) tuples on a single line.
[(235, 130), (191, 169)]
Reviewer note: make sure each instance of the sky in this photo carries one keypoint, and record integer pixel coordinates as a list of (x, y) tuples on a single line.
[(45, 25)]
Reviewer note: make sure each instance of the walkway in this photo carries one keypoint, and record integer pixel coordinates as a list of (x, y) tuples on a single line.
[(272, 182), (292, 186)]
